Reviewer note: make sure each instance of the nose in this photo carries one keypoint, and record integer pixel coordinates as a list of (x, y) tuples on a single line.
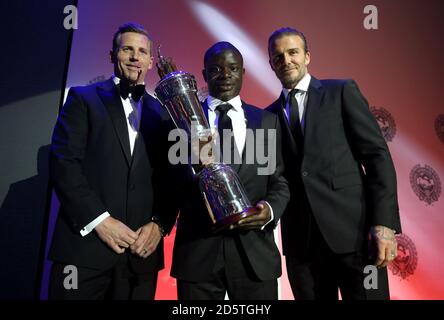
[(287, 59), (226, 73), (134, 56)]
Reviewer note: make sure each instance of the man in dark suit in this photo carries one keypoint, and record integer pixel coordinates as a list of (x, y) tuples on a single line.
[(243, 261), (106, 167), (341, 176)]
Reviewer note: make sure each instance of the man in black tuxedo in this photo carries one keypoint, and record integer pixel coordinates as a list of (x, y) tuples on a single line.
[(106, 167), (244, 260), (341, 176)]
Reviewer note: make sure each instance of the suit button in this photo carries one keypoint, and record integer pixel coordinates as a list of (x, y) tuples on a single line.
[(304, 173), (132, 187)]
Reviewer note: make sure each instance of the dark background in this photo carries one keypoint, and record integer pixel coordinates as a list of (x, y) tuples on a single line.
[(33, 52)]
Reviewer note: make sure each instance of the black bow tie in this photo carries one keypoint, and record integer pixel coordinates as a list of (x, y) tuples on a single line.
[(136, 91)]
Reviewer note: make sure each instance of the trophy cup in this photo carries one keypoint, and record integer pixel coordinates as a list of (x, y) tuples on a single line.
[(221, 187)]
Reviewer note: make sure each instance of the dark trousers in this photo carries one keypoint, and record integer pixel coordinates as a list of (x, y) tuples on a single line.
[(318, 273), (233, 275), (116, 283)]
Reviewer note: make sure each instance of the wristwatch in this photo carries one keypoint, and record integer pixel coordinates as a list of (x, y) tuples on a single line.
[(157, 221)]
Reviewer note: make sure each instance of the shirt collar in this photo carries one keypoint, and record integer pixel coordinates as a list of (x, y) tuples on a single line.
[(236, 102), (301, 86), (116, 80)]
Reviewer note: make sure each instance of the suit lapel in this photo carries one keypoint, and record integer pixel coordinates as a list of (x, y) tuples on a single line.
[(140, 144), (288, 139), (110, 98), (315, 95), (254, 122), (148, 139)]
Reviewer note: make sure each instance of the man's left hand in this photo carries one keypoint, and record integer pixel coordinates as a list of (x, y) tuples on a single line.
[(146, 243), (383, 245), (255, 221)]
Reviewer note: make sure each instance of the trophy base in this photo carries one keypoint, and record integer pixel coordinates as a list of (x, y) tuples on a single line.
[(232, 219)]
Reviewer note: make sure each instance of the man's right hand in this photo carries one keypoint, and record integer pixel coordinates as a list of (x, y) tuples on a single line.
[(116, 234)]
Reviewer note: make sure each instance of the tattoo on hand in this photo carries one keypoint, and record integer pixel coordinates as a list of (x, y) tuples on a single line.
[(383, 233)]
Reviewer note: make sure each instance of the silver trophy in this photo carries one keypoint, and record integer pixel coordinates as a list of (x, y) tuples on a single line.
[(221, 187)]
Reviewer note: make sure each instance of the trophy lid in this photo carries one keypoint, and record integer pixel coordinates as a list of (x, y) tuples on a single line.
[(165, 66), (167, 70)]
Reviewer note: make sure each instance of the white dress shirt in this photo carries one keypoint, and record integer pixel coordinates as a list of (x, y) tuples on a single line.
[(237, 116), (133, 110)]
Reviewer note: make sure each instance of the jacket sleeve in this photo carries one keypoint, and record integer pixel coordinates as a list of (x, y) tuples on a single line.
[(278, 193), (69, 142), (167, 197), (369, 146)]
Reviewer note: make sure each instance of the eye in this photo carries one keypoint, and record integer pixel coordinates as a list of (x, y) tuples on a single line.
[(127, 49), (214, 69), (277, 59)]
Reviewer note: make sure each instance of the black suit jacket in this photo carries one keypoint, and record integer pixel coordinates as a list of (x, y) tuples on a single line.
[(344, 170), (196, 249), (93, 171)]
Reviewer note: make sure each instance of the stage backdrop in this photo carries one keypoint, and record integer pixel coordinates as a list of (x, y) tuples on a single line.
[(391, 48)]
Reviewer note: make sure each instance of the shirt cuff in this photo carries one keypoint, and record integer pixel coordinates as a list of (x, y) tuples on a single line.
[(271, 213), (90, 226)]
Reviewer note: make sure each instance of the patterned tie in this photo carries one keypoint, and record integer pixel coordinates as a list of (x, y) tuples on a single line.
[(295, 121)]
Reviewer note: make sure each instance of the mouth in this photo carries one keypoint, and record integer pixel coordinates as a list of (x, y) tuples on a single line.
[(288, 70), (225, 86), (133, 67)]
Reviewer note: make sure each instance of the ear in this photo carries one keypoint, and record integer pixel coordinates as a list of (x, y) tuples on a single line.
[(204, 74), (271, 65), (243, 71), (307, 58), (150, 64)]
